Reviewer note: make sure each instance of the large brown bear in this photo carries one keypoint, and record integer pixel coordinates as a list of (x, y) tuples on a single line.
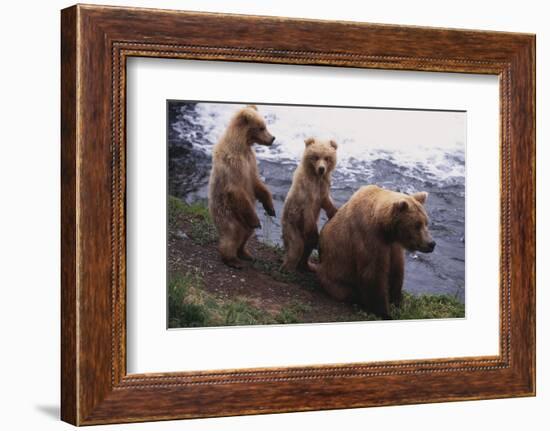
[(310, 191), (362, 247), (235, 185)]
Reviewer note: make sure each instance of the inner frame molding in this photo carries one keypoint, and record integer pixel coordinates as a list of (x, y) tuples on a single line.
[(96, 42), (121, 52)]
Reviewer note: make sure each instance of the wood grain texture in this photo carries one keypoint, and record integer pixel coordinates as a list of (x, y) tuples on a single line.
[(96, 41), (69, 366)]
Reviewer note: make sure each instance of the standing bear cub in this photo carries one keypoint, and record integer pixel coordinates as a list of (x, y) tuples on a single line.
[(310, 191), (362, 248), (235, 185)]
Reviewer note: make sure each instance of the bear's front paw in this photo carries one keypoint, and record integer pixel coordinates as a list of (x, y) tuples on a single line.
[(256, 224), (270, 211), (253, 222)]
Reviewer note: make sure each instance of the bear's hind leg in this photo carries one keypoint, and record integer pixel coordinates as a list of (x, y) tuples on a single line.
[(230, 241), (294, 245), (243, 252), (336, 290), (310, 243)]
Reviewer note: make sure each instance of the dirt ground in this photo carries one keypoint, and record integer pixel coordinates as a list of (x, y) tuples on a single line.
[(260, 282)]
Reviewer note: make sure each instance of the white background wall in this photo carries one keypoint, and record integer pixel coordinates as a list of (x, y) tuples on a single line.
[(29, 214)]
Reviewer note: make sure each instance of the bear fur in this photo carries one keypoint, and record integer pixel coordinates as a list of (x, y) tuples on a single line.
[(310, 191), (362, 247), (235, 185)]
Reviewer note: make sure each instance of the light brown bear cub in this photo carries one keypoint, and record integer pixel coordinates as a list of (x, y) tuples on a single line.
[(235, 185), (310, 191), (362, 248)]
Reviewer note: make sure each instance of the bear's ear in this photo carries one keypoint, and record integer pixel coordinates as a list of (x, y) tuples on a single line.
[(333, 144), (246, 116), (252, 107), (309, 141), (400, 206), (421, 197)]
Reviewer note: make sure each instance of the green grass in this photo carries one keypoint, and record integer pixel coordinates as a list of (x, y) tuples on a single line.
[(428, 307), (178, 207), (201, 230), (240, 312), (292, 313), (418, 307), (189, 305)]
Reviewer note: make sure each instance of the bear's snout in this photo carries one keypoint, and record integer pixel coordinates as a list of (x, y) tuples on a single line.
[(430, 246), (321, 170), (267, 140)]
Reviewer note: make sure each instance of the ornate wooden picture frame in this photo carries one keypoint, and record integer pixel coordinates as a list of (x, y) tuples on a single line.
[(96, 41)]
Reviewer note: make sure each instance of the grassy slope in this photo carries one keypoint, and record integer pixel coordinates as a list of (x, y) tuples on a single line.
[(192, 304)]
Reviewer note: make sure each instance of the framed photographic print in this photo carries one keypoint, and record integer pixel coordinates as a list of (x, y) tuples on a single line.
[(265, 214)]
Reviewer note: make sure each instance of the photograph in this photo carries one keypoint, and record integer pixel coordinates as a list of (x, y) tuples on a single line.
[(292, 214)]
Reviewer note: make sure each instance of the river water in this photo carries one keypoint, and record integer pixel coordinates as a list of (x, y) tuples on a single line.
[(399, 149)]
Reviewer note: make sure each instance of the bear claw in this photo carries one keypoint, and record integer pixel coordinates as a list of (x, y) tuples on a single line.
[(270, 212)]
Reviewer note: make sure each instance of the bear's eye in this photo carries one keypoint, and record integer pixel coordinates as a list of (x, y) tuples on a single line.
[(262, 129), (327, 159), (314, 158)]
